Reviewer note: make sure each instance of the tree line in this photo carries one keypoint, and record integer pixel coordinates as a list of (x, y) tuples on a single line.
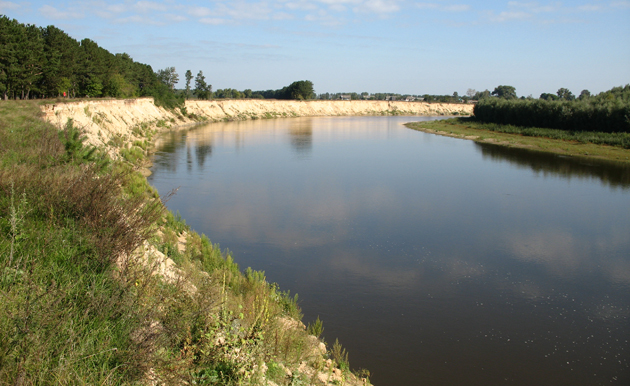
[(45, 62), (608, 111)]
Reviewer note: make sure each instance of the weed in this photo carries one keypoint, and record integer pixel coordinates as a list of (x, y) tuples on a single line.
[(133, 155), (340, 356), (16, 220), (316, 329)]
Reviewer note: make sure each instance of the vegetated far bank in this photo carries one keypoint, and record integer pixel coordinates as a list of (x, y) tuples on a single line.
[(606, 146), (591, 126), (100, 284)]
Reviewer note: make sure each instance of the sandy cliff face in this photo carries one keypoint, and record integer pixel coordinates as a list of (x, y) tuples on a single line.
[(123, 121), (252, 108)]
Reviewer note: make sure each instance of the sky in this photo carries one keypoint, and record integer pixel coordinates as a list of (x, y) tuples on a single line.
[(398, 46)]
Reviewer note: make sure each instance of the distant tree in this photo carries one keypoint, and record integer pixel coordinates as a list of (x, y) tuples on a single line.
[(456, 97), (118, 87), (63, 86), (471, 93), (301, 90), (247, 93), (168, 76), (189, 77), (585, 94), (93, 87), (505, 92), (479, 95), (202, 89), (565, 94), (549, 97)]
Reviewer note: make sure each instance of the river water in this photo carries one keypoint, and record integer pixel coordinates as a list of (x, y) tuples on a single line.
[(434, 260)]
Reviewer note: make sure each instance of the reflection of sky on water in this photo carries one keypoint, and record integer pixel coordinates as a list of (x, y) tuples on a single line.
[(361, 211)]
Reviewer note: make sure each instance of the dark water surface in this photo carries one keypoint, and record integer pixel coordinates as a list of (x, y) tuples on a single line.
[(435, 261)]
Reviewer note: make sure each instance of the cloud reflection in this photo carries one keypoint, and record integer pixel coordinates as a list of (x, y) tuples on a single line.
[(427, 239)]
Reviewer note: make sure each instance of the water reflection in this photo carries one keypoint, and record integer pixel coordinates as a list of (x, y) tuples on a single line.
[(427, 261), (301, 133), (614, 174)]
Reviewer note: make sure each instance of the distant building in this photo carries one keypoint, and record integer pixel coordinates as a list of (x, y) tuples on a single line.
[(344, 97), (410, 99)]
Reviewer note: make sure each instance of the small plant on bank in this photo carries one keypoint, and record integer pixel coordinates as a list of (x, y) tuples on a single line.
[(340, 356), (316, 329)]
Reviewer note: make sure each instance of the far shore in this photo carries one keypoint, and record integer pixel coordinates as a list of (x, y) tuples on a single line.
[(561, 147)]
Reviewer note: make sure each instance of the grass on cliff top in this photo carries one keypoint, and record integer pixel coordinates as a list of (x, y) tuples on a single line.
[(73, 310), (608, 146)]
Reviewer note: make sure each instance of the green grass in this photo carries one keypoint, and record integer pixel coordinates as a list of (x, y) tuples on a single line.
[(74, 309), (609, 146)]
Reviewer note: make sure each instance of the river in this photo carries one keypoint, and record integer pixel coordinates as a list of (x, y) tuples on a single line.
[(434, 260)]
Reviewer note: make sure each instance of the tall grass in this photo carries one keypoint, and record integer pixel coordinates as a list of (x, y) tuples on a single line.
[(599, 138), (76, 307)]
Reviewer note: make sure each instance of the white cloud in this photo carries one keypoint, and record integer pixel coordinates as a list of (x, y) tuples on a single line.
[(507, 16), (620, 4), (428, 6), (282, 16), (590, 8), (137, 19), (457, 8), (199, 11), (175, 18), (337, 2), (213, 21), (147, 6), (8, 5), (534, 7), (324, 18), (445, 8), (54, 13), (300, 5), (379, 6)]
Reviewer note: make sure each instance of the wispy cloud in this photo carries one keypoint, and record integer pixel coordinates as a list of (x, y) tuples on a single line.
[(590, 7), (140, 19), (444, 8), (8, 5), (379, 7), (505, 16), (57, 14), (213, 21), (148, 6)]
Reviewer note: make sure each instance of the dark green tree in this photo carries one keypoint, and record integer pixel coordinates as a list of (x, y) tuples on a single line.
[(565, 95), (189, 77), (505, 92), (301, 90), (585, 94), (549, 97), (479, 95), (168, 76), (202, 89)]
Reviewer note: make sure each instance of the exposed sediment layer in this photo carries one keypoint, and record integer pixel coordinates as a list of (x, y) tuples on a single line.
[(107, 120)]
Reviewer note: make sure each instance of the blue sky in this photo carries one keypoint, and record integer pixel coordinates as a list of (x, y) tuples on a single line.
[(401, 46)]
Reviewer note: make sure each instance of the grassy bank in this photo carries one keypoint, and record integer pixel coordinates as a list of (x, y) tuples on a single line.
[(607, 146), (100, 284)]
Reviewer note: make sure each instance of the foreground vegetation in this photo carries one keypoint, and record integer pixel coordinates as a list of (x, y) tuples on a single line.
[(88, 296), (609, 146)]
